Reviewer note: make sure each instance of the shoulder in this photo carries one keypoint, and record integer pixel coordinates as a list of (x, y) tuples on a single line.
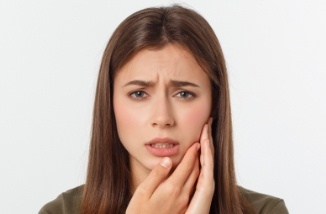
[(262, 203), (66, 202)]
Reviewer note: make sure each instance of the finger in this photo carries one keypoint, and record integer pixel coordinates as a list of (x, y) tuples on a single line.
[(206, 155), (184, 169), (204, 133), (190, 183), (210, 122), (203, 137), (206, 159), (155, 178), (207, 134), (201, 201), (202, 198)]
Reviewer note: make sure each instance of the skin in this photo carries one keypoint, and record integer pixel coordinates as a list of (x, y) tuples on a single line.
[(149, 102)]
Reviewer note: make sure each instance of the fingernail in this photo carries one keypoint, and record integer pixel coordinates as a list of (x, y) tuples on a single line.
[(166, 162)]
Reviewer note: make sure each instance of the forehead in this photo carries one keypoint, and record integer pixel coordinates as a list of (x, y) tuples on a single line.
[(170, 61)]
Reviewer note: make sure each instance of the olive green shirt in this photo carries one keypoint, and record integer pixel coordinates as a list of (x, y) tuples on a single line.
[(69, 203)]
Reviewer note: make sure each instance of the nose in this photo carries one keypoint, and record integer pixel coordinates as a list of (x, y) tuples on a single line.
[(162, 116)]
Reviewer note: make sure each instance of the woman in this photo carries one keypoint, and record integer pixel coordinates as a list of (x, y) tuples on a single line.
[(162, 131)]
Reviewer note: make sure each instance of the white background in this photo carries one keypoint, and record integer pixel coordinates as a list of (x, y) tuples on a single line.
[(50, 51)]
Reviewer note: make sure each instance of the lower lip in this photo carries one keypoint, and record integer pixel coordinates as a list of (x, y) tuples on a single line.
[(163, 152)]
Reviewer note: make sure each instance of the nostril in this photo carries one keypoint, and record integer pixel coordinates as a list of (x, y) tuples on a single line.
[(164, 123)]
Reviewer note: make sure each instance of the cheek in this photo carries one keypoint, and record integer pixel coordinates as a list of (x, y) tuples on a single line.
[(194, 120), (197, 115), (129, 119), (125, 119)]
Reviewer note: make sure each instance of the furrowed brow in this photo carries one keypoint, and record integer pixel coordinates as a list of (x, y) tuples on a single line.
[(177, 83), (140, 83)]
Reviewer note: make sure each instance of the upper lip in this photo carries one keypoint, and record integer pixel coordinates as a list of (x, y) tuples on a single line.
[(162, 140)]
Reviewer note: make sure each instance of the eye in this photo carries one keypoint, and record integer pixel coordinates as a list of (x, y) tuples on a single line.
[(186, 95), (138, 95)]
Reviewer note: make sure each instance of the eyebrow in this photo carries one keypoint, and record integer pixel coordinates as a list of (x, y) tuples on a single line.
[(174, 83), (139, 83), (177, 83)]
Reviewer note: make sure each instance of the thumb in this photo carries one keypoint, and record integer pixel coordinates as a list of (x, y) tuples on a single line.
[(155, 177)]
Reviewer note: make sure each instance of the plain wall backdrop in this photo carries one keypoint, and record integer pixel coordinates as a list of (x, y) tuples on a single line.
[(50, 51)]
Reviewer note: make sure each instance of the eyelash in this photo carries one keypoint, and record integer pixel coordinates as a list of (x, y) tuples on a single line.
[(139, 95), (192, 95), (134, 95)]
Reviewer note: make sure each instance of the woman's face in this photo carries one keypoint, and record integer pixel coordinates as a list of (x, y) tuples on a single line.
[(162, 99)]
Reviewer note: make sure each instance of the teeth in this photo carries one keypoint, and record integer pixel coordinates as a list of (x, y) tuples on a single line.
[(162, 145)]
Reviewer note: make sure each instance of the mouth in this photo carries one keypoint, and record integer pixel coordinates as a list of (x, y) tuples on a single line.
[(163, 147)]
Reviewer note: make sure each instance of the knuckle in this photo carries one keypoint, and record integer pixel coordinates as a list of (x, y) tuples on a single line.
[(158, 172), (141, 190), (184, 199), (172, 190)]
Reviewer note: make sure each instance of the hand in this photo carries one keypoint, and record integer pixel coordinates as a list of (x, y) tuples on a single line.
[(159, 194), (202, 199)]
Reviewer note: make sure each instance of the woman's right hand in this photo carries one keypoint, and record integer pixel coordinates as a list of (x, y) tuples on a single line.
[(161, 193)]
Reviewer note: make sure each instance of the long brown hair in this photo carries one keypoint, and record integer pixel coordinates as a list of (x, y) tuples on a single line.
[(107, 188)]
